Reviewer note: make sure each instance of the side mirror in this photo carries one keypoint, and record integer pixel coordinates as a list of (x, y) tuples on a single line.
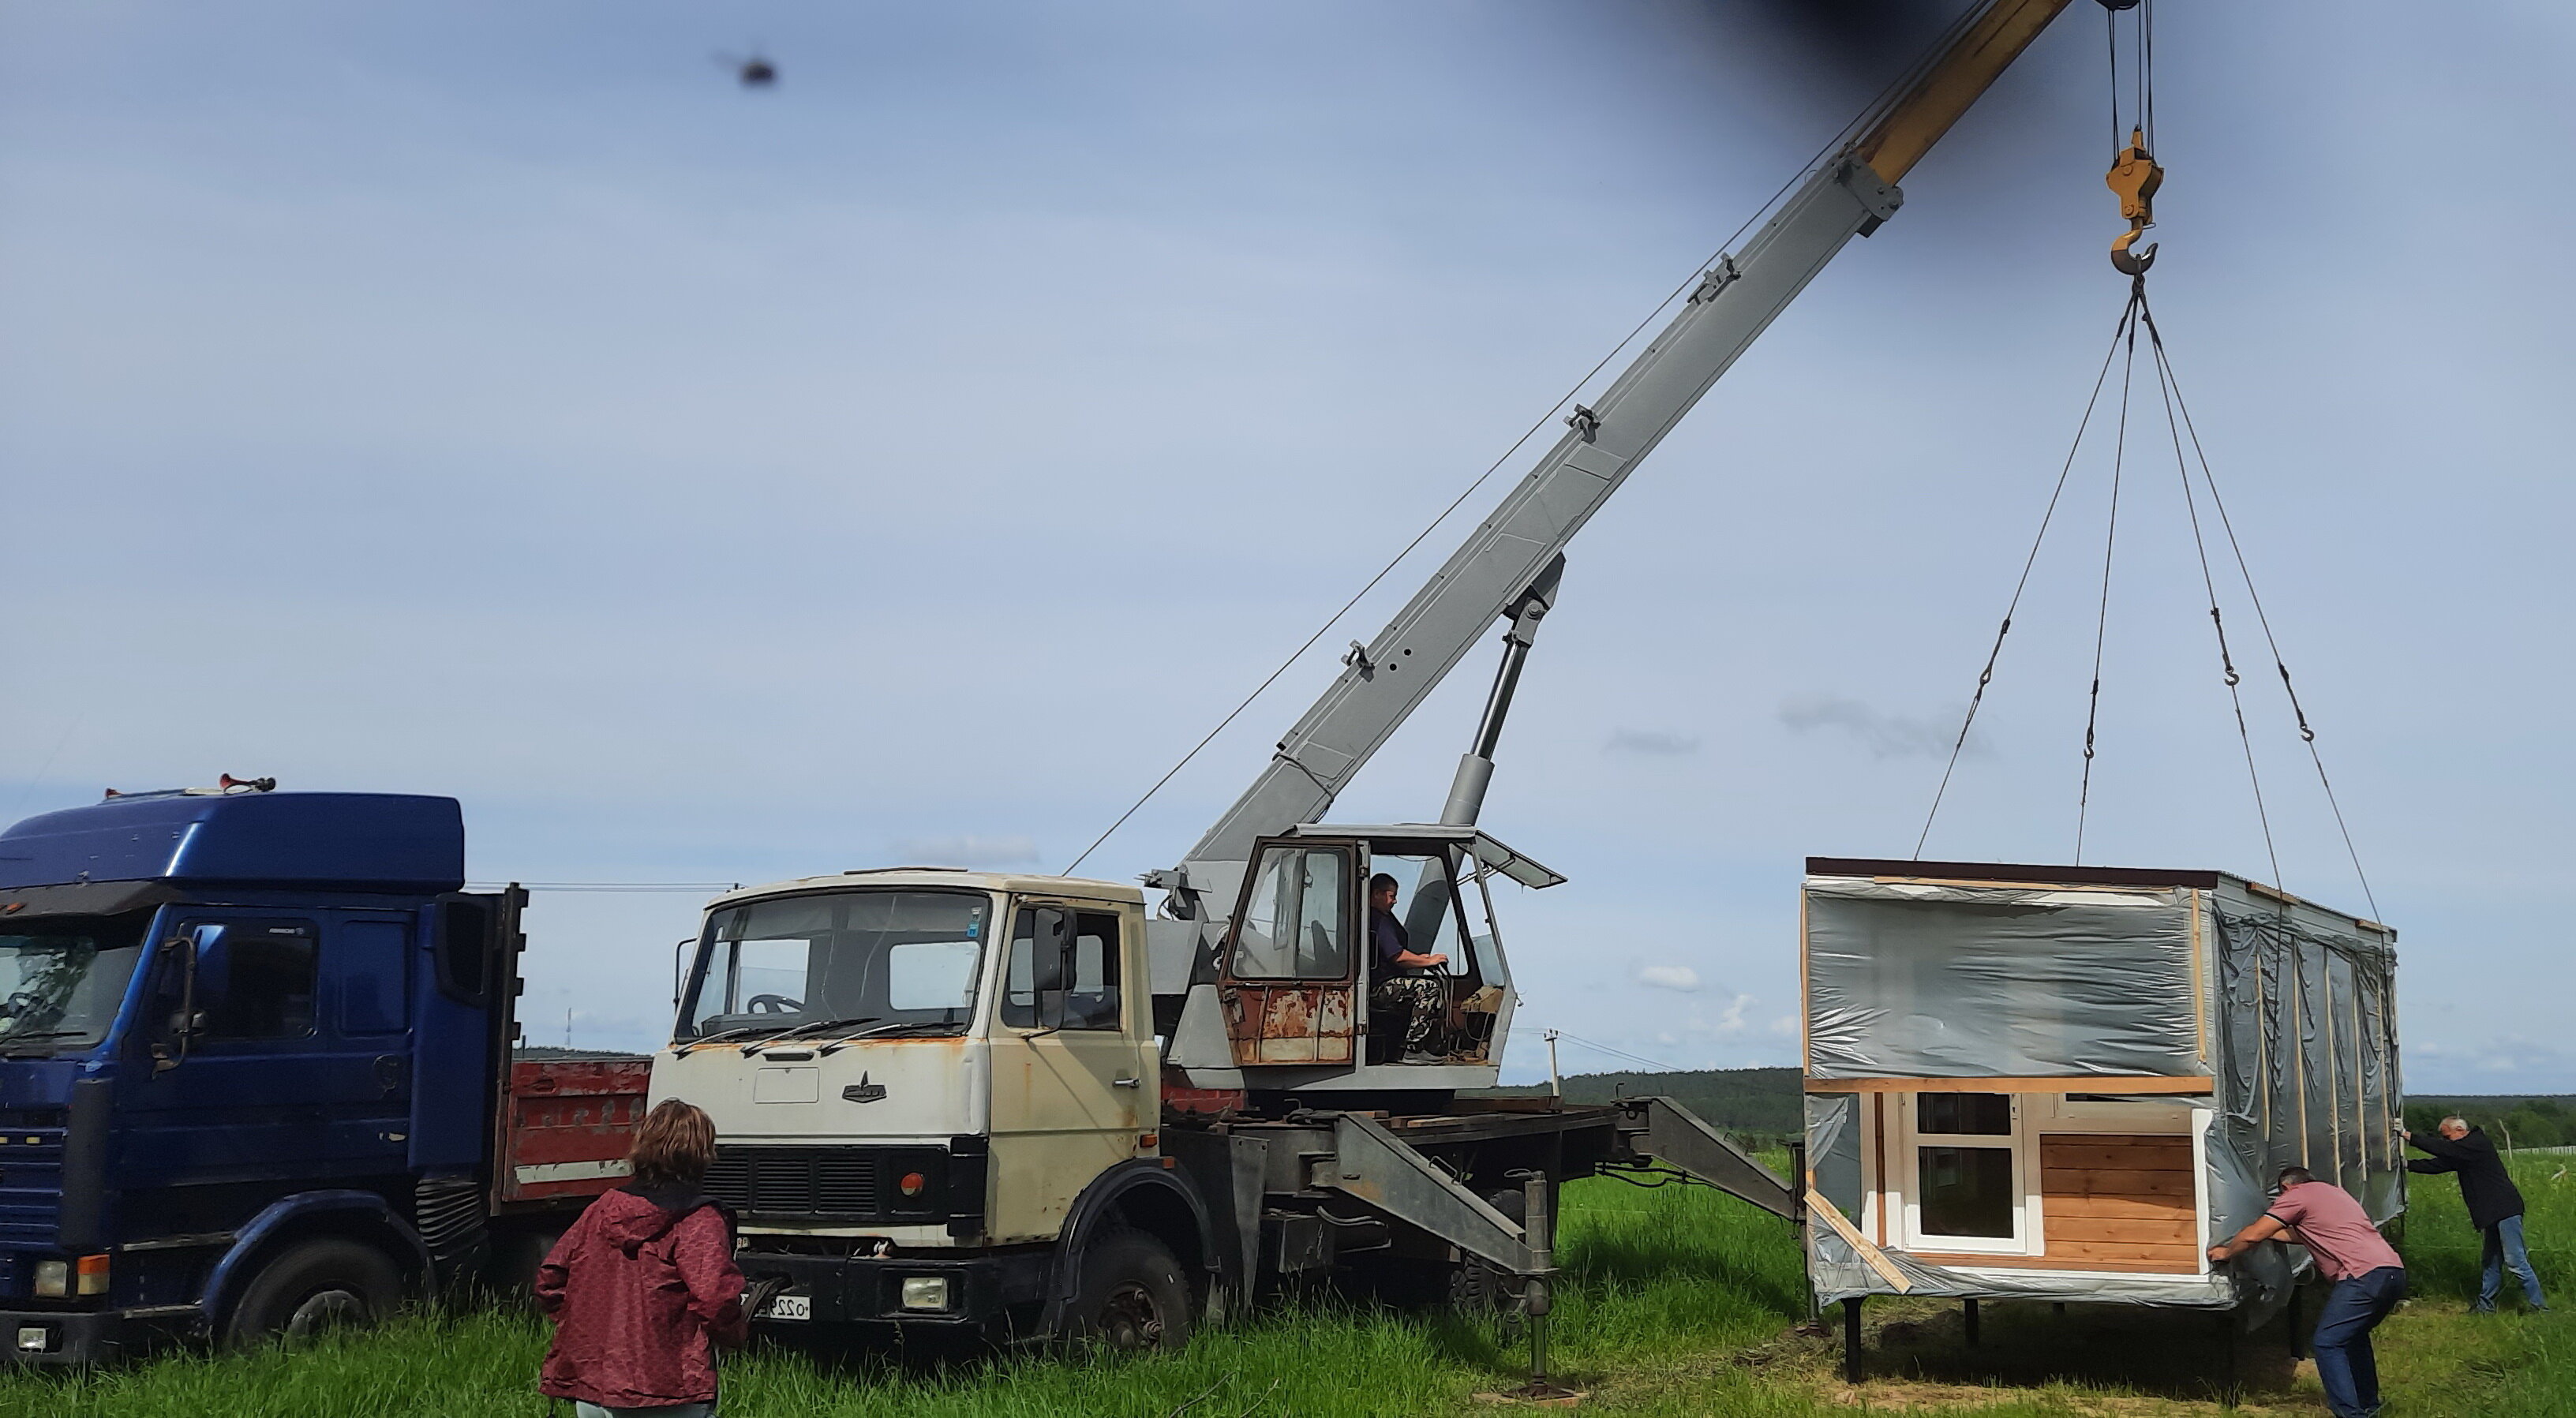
[(184, 953)]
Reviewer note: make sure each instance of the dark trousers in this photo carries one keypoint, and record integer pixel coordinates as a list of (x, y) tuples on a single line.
[(2345, 1365)]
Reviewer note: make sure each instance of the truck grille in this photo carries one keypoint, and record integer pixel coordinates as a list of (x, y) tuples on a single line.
[(31, 1174), (838, 1182)]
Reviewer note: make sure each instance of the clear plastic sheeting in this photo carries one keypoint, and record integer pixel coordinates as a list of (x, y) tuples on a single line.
[(1946, 982), (1925, 971)]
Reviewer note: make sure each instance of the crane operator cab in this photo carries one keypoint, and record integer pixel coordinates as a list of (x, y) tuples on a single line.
[(1314, 985)]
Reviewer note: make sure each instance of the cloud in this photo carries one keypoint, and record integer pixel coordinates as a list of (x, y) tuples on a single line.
[(1654, 743), (967, 851), (1669, 977), (1885, 735)]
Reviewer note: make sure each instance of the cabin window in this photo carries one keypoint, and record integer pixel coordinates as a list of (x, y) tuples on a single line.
[(1063, 970), (1297, 924), (1964, 1184)]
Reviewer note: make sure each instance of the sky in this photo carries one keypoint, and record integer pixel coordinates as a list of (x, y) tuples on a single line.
[(911, 461)]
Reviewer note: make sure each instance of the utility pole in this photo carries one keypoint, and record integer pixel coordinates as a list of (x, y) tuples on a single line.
[(1555, 1084)]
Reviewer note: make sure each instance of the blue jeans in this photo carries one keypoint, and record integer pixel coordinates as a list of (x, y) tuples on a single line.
[(2345, 1365), (685, 1410), (2504, 1251)]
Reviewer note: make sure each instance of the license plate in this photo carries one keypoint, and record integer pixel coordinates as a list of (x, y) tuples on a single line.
[(787, 1307)]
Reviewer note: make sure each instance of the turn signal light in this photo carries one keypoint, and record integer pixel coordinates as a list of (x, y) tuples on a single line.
[(911, 1183), (92, 1273)]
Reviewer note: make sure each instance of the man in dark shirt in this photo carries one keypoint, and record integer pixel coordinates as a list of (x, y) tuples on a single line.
[(2368, 1277), (1403, 987), (2495, 1204)]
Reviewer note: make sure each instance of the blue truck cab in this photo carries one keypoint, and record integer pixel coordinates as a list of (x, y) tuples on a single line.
[(252, 1051)]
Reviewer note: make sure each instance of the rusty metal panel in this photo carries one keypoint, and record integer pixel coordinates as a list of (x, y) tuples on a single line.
[(568, 1124), (1291, 1023)]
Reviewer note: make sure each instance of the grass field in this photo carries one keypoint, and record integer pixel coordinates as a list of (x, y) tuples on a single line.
[(1678, 1302)]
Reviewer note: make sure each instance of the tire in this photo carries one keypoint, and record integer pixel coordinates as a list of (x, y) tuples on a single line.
[(313, 1287), (1133, 1297)]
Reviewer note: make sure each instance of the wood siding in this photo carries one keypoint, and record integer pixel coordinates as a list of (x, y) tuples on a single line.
[(2118, 1201)]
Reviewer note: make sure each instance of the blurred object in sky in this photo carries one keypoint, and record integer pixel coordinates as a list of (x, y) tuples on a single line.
[(752, 71)]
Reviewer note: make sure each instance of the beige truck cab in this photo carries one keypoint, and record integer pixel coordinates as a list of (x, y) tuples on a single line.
[(917, 1076)]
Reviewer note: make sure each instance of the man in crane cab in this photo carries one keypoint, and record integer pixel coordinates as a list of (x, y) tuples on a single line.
[(1404, 989)]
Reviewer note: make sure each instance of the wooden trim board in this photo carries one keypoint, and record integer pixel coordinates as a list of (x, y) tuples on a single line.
[(2082, 1083), (2067, 1263)]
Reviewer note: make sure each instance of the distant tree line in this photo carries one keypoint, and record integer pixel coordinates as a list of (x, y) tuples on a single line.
[(2513, 1122)]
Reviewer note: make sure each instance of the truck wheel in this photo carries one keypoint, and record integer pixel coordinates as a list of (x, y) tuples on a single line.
[(312, 1287), (1133, 1298)]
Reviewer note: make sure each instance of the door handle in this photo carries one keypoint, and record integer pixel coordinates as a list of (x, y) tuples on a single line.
[(1126, 1083)]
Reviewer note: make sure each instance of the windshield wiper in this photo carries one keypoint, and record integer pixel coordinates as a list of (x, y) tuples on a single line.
[(884, 1031), (30, 1035), (774, 1040), (693, 1045)]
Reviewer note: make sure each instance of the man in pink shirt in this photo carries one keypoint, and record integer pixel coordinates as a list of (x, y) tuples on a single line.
[(2368, 1277)]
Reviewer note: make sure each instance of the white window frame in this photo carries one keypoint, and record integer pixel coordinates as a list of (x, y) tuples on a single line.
[(2022, 1142)]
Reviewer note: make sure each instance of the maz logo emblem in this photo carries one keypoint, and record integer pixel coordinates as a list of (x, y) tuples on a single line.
[(864, 1091)]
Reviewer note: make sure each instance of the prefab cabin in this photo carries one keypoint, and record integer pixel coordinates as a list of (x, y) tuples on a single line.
[(2065, 1083)]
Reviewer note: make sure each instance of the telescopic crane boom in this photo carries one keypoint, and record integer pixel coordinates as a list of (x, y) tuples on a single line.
[(1508, 566)]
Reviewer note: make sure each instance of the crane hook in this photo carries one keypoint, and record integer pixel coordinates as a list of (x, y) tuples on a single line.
[(2134, 176)]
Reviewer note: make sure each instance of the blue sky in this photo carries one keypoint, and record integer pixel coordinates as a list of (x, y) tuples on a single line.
[(713, 486)]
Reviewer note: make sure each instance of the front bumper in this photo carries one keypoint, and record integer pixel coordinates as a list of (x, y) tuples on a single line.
[(869, 1289), (64, 1337)]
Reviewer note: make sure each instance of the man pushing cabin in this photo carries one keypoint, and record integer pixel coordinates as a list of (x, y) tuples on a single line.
[(2368, 1281), (2494, 1202)]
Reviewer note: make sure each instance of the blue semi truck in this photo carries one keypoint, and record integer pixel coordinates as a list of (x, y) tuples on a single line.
[(257, 1072)]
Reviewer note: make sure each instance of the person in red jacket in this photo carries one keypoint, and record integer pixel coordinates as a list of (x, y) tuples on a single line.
[(643, 1288)]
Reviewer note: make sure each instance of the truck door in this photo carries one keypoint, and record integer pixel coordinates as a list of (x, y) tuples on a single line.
[(1072, 1070), (1289, 978), (272, 1056)]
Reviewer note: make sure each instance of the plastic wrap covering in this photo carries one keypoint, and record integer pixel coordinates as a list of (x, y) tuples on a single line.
[(1915, 981), (2310, 1038)]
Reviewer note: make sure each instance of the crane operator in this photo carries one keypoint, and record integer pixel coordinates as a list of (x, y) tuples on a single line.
[(1404, 986)]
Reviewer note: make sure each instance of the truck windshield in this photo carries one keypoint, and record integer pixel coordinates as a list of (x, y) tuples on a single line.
[(62, 977), (900, 961)]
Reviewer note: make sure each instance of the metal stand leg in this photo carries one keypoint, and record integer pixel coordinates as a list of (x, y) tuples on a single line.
[(1535, 1226), (1969, 1323), (1851, 1340)]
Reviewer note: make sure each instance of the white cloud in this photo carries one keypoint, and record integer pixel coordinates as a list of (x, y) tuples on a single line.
[(1885, 735), (1669, 977), (1653, 743)]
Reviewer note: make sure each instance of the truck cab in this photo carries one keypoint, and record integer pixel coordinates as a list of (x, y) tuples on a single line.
[(921, 1080), (252, 1047)]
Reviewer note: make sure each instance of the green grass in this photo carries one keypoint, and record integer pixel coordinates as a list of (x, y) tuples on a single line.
[(1677, 1301)]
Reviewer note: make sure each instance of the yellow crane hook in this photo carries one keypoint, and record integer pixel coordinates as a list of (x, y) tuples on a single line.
[(2134, 176)]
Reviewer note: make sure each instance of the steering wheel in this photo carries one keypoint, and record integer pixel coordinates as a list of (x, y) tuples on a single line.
[(774, 1004)]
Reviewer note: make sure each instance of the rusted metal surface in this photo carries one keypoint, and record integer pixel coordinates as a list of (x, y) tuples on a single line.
[(1180, 1100), (1289, 1023), (567, 1126)]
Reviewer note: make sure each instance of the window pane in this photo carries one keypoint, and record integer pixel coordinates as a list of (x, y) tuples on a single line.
[(772, 975), (1093, 1003), (1964, 1114), (1260, 943), (932, 974), (1036, 932), (1967, 1191), (265, 989), (1323, 946)]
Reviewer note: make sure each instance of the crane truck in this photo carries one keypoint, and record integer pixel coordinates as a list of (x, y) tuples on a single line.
[(956, 1098)]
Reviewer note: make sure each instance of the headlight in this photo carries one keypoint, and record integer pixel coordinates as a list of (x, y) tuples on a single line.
[(53, 1279), (925, 1292)]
